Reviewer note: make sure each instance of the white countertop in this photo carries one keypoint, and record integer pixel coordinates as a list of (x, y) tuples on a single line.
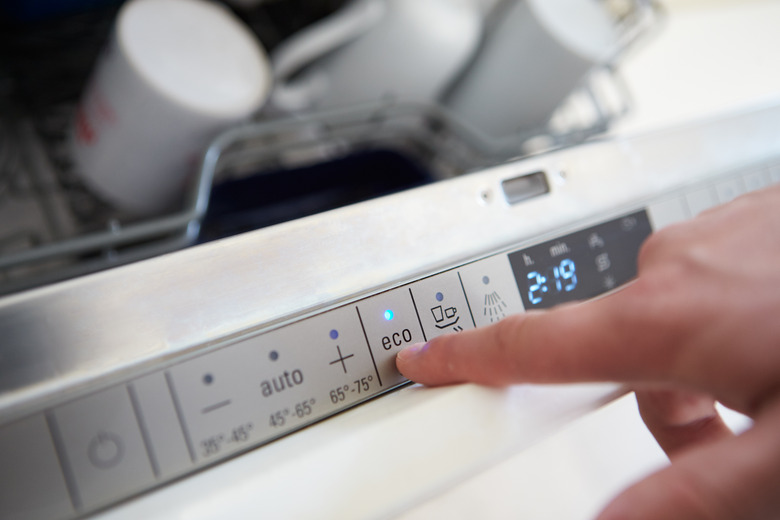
[(707, 56)]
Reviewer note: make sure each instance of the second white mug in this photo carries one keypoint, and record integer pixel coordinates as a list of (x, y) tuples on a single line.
[(535, 53), (407, 50)]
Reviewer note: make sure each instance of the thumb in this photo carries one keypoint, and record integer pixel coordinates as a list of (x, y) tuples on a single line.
[(729, 479)]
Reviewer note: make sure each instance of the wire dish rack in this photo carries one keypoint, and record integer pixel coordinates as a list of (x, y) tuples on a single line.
[(53, 228)]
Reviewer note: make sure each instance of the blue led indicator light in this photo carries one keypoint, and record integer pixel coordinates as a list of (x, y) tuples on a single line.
[(334, 334), (389, 315), (439, 296)]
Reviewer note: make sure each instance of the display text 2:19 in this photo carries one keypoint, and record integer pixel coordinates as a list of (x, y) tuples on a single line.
[(556, 279)]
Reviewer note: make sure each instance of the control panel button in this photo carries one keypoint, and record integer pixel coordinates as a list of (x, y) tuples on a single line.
[(160, 425), (343, 368), (441, 304), (103, 447), (491, 289), (729, 189), (700, 200), (391, 323), (31, 483), (667, 212), (756, 179)]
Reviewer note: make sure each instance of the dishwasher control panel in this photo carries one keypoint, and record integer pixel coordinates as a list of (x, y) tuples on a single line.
[(267, 385), (85, 454)]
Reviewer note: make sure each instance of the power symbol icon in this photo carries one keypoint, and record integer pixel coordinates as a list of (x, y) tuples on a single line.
[(106, 450)]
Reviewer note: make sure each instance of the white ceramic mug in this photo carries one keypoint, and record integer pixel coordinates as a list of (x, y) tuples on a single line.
[(174, 74), (407, 50), (535, 53)]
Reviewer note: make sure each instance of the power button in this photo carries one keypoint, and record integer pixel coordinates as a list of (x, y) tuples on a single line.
[(106, 450), (103, 447)]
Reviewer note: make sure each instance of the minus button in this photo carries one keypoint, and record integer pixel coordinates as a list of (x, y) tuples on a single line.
[(216, 406)]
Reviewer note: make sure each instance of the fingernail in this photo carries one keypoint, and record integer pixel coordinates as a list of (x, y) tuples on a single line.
[(412, 351)]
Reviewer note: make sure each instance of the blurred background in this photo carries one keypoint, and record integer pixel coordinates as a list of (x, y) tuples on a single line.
[(366, 97)]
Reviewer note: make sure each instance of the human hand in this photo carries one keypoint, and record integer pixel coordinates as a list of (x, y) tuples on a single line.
[(700, 323)]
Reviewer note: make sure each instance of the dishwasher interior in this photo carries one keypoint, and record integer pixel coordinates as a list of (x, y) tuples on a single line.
[(54, 227)]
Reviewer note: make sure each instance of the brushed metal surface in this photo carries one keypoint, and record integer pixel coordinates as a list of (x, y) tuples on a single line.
[(63, 337)]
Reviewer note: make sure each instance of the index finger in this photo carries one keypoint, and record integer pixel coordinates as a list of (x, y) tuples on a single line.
[(606, 339)]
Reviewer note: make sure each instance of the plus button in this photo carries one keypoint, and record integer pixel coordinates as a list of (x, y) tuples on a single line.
[(341, 359)]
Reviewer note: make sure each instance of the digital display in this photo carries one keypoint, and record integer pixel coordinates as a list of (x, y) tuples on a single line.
[(580, 265)]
